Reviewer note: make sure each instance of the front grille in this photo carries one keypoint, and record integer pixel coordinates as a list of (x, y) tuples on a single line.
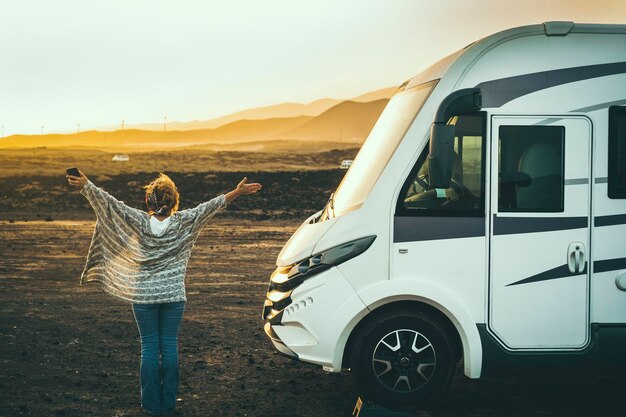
[(282, 283), (272, 313), (278, 295)]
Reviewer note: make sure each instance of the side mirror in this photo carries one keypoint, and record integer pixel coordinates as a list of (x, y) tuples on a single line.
[(440, 156)]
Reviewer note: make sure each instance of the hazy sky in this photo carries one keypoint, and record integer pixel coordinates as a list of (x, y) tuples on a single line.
[(95, 63)]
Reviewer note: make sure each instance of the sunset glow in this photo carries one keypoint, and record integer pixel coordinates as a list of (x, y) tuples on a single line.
[(70, 66)]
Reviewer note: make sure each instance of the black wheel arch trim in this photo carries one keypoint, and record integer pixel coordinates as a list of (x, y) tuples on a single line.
[(400, 304)]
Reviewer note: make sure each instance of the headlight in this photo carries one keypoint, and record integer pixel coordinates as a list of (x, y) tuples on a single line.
[(287, 278)]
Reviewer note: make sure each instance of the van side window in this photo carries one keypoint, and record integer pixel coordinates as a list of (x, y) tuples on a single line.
[(617, 152), (465, 197), (531, 169)]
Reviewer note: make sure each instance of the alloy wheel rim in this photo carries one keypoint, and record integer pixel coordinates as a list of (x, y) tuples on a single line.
[(404, 360)]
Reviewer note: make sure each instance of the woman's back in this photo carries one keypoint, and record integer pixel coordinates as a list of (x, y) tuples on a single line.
[(134, 263)]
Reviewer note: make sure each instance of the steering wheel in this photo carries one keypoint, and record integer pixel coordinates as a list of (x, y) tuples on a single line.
[(462, 195), (428, 199)]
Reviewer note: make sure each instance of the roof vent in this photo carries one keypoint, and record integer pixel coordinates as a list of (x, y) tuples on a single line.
[(558, 28)]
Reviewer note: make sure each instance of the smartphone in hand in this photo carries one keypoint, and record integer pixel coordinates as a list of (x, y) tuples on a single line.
[(73, 172)]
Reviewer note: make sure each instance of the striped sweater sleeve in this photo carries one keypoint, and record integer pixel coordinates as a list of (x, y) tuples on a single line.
[(107, 207), (203, 212)]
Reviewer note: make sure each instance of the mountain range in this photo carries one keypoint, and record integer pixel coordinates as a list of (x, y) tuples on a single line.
[(322, 124)]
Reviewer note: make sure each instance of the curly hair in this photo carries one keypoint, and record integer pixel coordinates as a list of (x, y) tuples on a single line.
[(162, 196)]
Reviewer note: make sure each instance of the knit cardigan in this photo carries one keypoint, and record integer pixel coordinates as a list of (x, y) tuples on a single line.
[(132, 263)]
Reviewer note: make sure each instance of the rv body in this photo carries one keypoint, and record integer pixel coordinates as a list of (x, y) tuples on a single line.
[(519, 264)]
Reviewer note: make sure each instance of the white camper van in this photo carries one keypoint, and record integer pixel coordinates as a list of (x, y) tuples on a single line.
[(484, 219)]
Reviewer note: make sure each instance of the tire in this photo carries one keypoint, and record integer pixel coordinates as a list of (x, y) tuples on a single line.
[(402, 359)]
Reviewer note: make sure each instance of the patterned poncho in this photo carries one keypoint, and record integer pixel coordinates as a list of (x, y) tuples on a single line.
[(131, 262)]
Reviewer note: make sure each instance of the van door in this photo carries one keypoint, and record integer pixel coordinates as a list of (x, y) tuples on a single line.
[(439, 236), (540, 231)]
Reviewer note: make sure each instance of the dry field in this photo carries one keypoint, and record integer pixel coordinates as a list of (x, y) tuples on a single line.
[(290, 195), (74, 351), (67, 350)]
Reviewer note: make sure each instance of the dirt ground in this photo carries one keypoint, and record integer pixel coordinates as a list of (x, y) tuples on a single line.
[(286, 195), (68, 350)]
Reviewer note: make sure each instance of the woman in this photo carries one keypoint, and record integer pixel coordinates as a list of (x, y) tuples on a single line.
[(141, 258)]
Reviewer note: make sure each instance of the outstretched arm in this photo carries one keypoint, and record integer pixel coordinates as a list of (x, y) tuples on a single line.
[(202, 213), (104, 204)]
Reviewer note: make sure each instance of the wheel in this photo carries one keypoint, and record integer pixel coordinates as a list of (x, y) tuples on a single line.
[(403, 359)]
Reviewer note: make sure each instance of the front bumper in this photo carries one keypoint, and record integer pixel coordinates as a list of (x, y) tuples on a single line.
[(278, 344), (313, 320)]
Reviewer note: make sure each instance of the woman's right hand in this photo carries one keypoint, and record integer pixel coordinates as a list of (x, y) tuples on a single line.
[(77, 182), (243, 188)]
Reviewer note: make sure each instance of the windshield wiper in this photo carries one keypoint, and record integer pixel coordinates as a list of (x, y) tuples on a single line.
[(330, 206), (331, 203)]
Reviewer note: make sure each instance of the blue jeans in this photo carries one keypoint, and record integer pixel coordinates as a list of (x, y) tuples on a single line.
[(158, 327)]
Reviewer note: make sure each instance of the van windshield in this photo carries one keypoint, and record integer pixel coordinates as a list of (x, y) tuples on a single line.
[(379, 147)]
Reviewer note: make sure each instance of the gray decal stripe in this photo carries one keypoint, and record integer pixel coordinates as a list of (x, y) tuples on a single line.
[(576, 181), (414, 229), (588, 109), (610, 220), (548, 121), (562, 271), (515, 225), (554, 273), (600, 106), (496, 93), (609, 265), (602, 180)]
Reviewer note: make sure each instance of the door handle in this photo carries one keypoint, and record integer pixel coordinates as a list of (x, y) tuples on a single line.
[(576, 258)]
